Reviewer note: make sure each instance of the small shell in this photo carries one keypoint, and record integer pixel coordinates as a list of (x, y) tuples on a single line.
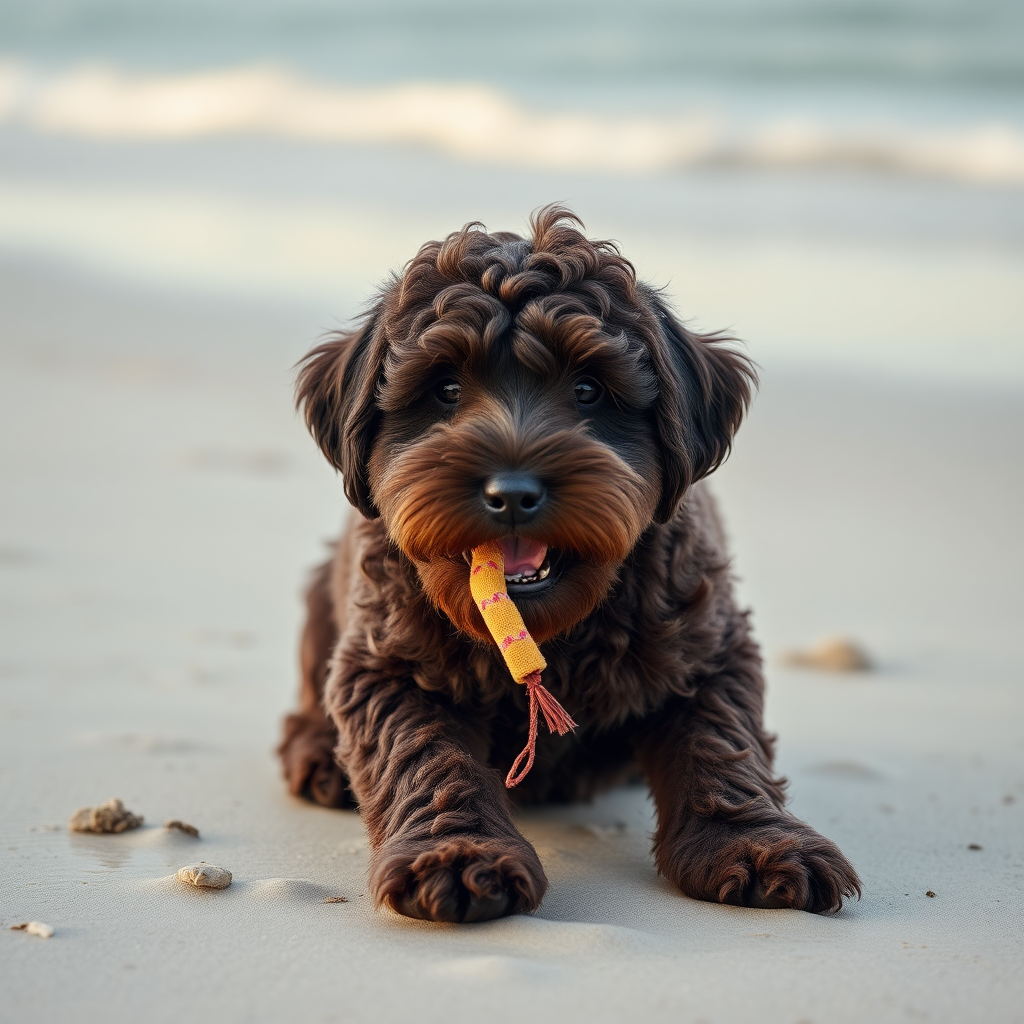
[(108, 817), (837, 654), (43, 931), (205, 876), (181, 826)]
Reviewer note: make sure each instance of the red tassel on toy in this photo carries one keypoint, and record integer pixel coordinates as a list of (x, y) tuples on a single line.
[(557, 719)]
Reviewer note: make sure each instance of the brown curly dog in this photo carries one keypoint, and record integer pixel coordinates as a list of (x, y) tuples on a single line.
[(531, 391)]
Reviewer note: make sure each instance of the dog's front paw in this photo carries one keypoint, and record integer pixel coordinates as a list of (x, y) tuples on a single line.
[(785, 865), (307, 757), (459, 879)]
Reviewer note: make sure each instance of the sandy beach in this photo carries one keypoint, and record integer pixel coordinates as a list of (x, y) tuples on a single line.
[(160, 506)]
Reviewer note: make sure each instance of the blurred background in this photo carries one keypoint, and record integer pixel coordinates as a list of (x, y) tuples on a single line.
[(838, 181)]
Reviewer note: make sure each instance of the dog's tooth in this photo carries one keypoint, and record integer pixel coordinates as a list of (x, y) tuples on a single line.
[(525, 579), (522, 578)]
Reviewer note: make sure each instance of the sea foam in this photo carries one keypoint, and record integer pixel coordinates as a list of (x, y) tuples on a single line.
[(476, 122)]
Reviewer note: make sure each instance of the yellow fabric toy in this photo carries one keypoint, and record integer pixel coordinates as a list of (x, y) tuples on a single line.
[(521, 654)]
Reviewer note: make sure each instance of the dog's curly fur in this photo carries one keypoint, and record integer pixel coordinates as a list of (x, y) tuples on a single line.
[(407, 710)]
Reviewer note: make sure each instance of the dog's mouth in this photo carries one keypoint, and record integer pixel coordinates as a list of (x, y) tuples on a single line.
[(531, 567)]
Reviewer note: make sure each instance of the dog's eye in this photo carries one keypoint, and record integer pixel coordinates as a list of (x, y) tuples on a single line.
[(587, 391), (448, 391)]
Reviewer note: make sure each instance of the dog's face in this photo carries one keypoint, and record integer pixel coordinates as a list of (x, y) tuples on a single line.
[(525, 391)]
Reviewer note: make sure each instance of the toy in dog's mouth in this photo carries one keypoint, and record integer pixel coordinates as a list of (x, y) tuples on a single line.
[(488, 583), (530, 565)]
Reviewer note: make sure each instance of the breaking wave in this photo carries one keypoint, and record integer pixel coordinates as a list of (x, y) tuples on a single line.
[(479, 123)]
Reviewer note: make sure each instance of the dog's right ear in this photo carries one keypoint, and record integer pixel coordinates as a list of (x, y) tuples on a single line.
[(336, 390)]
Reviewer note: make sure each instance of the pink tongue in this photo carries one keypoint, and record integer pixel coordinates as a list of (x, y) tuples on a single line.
[(523, 557)]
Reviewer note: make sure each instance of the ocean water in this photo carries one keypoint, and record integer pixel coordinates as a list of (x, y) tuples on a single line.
[(919, 87), (647, 53), (837, 180)]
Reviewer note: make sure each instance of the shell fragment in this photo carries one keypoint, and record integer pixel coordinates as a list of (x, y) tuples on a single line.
[(205, 876)]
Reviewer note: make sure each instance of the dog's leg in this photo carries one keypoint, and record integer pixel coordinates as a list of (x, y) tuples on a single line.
[(440, 825), (723, 832), (307, 750)]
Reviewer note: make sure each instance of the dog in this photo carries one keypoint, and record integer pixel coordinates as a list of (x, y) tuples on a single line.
[(532, 392)]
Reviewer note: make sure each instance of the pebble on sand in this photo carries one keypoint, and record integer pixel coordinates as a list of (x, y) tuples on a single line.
[(43, 931), (182, 826), (836, 654), (205, 876), (108, 817)]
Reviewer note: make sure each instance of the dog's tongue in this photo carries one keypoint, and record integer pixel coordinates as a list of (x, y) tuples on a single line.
[(522, 557)]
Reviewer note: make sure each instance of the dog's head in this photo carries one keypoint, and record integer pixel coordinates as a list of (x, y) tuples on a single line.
[(525, 390)]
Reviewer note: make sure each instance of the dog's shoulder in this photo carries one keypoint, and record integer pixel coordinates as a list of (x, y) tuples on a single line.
[(391, 623)]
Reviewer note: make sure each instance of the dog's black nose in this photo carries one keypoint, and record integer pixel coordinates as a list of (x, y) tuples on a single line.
[(513, 498)]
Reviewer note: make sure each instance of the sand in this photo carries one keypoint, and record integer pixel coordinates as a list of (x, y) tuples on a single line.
[(160, 507)]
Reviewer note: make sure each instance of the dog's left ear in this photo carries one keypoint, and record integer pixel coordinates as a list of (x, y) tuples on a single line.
[(337, 389), (705, 388)]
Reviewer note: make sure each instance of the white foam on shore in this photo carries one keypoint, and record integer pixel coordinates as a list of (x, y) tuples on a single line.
[(478, 123)]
